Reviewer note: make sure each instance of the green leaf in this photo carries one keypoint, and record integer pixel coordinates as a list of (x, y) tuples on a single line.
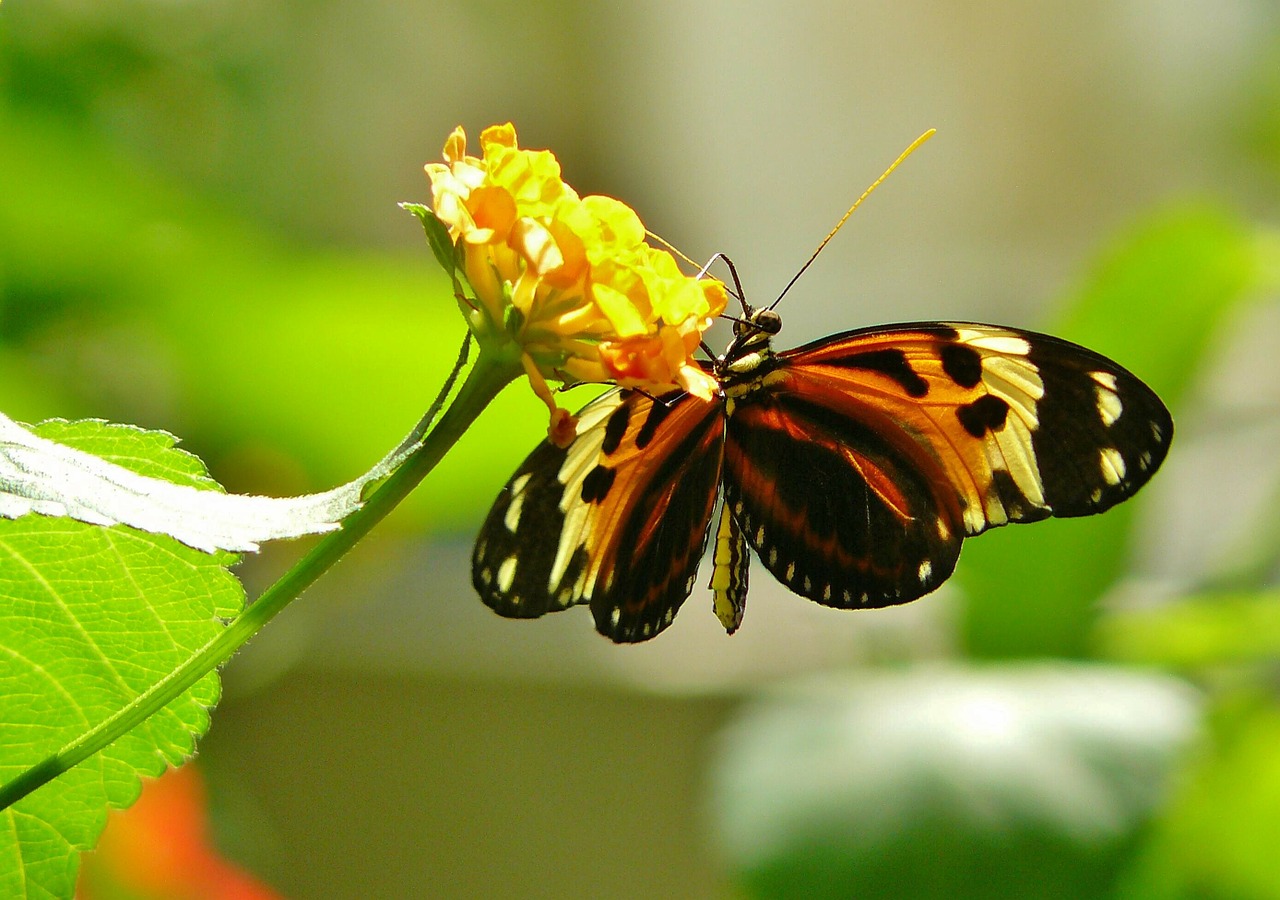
[(1217, 836), (1196, 632), (1155, 305), (90, 618), (437, 236)]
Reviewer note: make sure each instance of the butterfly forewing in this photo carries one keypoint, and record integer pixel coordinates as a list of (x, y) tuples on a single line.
[(1023, 425), (618, 519)]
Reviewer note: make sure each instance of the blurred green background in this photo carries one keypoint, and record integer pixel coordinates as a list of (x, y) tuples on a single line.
[(198, 232)]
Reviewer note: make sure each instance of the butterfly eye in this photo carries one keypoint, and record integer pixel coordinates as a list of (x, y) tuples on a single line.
[(767, 321)]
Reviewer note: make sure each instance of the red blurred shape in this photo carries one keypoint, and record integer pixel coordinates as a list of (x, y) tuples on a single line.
[(160, 849)]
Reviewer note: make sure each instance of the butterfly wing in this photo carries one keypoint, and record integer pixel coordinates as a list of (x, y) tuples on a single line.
[(618, 519), (858, 463)]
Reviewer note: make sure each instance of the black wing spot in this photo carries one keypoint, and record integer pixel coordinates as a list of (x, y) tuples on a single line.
[(890, 363), (962, 364), (616, 429), (987, 413), (658, 411), (595, 487)]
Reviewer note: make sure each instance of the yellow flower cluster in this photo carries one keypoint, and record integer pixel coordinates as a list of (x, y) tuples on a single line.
[(569, 278)]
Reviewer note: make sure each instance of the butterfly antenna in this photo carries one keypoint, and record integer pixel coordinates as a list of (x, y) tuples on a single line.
[(702, 270), (915, 145), (737, 290), (672, 248)]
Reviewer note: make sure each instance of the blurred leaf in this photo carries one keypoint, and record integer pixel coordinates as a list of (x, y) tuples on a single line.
[(1157, 300), (1217, 839), (1155, 305), (1021, 781), (1195, 631), (92, 617)]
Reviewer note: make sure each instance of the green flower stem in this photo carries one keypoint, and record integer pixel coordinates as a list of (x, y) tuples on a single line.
[(494, 369)]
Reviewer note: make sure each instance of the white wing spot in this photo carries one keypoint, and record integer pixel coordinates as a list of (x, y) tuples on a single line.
[(865, 598), (995, 341), (486, 576), (791, 571), (615, 616), (773, 556), (1104, 379), (1144, 461), (512, 517), (925, 572), (1014, 379), (1112, 465), (808, 585), (1096, 495), (975, 519), (847, 596), (564, 597), (760, 536), (1109, 404), (826, 592), (506, 574)]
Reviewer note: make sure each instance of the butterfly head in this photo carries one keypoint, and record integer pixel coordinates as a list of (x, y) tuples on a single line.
[(751, 346)]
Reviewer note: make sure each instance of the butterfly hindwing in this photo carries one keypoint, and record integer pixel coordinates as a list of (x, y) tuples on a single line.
[(837, 510), (618, 519)]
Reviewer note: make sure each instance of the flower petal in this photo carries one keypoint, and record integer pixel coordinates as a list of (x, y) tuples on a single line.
[(571, 280)]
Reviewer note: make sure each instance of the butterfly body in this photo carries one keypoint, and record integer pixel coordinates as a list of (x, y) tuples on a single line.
[(853, 467)]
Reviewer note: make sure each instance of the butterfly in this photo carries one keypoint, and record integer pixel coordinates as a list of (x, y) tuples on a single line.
[(854, 467)]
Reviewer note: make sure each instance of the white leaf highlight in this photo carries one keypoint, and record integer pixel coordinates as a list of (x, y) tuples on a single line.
[(42, 476)]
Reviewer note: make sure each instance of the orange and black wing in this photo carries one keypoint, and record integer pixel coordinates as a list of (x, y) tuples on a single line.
[(857, 464), (617, 520)]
